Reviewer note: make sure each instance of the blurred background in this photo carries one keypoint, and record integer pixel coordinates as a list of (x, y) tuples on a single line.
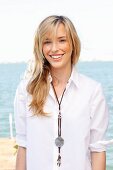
[(18, 22)]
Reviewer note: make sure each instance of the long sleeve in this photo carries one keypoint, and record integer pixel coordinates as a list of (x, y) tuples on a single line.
[(99, 120), (20, 114)]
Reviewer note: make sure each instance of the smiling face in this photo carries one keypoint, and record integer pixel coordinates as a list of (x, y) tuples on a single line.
[(57, 48)]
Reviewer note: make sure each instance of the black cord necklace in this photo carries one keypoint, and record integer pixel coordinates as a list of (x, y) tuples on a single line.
[(59, 141)]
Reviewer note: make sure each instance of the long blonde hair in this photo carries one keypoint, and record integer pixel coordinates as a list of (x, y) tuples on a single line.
[(39, 85)]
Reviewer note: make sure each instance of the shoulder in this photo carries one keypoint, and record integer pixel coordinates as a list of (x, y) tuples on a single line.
[(84, 82), (87, 79), (87, 83), (22, 86)]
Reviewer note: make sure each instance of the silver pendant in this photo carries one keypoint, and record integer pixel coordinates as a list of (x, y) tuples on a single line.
[(59, 141)]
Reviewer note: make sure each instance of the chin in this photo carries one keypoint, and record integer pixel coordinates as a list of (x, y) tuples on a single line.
[(58, 66)]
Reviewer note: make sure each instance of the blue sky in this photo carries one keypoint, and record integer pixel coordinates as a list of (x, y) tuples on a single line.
[(19, 19)]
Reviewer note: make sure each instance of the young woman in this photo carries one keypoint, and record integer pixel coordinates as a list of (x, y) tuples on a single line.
[(60, 115)]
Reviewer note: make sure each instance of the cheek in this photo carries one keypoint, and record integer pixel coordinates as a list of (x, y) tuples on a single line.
[(45, 50), (67, 47)]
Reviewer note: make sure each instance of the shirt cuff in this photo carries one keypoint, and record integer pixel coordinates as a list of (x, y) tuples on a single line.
[(97, 147)]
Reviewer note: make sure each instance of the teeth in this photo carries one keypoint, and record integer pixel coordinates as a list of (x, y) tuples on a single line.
[(56, 57)]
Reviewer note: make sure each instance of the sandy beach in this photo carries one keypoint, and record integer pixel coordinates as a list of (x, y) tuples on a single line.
[(7, 154)]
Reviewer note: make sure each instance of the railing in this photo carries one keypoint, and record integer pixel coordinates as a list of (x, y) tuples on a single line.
[(11, 125)]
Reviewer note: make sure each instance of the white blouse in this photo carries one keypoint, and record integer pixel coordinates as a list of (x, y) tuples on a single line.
[(84, 123)]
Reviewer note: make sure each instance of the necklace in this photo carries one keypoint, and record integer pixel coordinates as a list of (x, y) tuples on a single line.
[(59, 141)]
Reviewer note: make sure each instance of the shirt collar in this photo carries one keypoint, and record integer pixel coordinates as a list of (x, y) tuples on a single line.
[(73, 78)]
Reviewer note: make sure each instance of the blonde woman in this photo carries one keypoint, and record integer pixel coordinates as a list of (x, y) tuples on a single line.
[(60, 115)]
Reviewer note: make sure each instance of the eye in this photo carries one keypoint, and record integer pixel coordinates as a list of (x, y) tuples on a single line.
[(62, 40), (47, 42)]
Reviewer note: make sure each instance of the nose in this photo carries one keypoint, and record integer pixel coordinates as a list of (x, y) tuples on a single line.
[(54, 47)]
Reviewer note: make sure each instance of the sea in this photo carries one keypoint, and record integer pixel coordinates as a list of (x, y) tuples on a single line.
[(12, 73)]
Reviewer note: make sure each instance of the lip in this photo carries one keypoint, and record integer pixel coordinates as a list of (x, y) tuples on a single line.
[(56, 56)]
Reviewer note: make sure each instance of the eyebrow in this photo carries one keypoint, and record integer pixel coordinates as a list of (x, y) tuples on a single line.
[(58, 38), (47, 38), (62, 37)]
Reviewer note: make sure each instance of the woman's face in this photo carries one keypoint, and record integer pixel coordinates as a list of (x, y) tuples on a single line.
[(57, 48)]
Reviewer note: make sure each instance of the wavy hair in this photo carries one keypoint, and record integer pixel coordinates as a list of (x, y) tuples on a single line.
[(39, 85)]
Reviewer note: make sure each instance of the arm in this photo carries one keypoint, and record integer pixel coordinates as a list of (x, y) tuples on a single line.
[(99, 123), (98, 160), (21, 159), (20, 125)]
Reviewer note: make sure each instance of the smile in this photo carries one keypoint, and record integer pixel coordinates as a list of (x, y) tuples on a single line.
[(56, 56)]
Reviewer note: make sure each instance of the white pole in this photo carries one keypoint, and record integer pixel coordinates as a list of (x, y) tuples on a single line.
[(11, 125)]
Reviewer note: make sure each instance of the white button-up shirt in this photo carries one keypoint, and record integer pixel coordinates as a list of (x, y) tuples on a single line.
[(84, 122)]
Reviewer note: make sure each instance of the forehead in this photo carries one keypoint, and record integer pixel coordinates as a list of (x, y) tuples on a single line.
[(58, 30)]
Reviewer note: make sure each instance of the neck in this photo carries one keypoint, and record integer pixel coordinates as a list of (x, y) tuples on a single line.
[(61, 76)]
